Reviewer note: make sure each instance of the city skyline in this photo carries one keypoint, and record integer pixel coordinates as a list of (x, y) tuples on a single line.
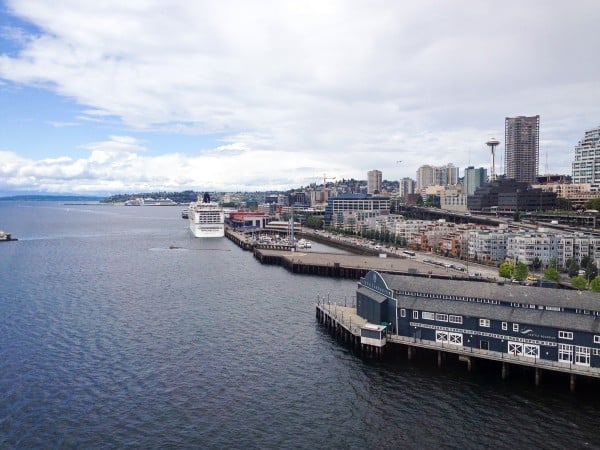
[(101, 99)]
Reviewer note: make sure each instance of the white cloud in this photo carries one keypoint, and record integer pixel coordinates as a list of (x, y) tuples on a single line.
[(332, 86)]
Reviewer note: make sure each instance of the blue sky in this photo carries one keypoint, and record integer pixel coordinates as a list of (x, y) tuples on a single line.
[(131, 96)]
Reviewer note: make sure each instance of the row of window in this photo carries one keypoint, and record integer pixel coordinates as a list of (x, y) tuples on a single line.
[(485, 323), (441, 317), (497, 302)]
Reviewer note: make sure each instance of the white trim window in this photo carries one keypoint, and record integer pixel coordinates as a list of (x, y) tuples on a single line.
[(402, 312), (582, 356), (504, 326), (441, 317), (428, 315), (565, 335), (565, 353), (596, 339), (415, 314), (516, 327), (484, 323), (455, 319)]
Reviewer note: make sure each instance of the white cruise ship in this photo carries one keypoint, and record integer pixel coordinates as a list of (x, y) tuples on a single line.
[(206, 218)]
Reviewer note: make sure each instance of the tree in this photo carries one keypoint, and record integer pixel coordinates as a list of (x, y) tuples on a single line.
[(314, 222), (419, 200), (551, 274), (591, 270), (579, 282), (572, 267), (536, 264), (563, 204), (516, 216), (505, 269), (520, 272), (593, 204), (595, 284)]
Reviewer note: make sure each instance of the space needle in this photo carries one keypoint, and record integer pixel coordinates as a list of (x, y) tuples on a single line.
[(492, 143)]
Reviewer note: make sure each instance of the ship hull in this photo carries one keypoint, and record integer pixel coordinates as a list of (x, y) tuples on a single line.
[(207, 231)]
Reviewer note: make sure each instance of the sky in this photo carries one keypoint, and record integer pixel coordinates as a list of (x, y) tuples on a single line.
[(142, 95)]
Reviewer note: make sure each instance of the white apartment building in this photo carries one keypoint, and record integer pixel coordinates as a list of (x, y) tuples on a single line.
[(487, 245), (498, 245), (526, 247), (576, 246), (586, 166)]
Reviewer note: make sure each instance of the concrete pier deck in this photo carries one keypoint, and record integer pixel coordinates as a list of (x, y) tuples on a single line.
[(350, 266)]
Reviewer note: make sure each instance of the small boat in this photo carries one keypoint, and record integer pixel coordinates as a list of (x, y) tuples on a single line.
[(5, 237), (303, 243)]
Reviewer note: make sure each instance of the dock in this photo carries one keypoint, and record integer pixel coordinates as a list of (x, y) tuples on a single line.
[(349, 266), (345, 324), (337, 265)]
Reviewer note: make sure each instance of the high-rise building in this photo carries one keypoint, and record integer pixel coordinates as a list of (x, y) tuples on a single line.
[(522, 148), (407, 186), (425, 177), (373, 181), (446, 175), (474, 178), (437, 176), (586, 167)]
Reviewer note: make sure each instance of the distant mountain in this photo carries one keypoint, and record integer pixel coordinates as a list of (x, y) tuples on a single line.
[(51, 198)]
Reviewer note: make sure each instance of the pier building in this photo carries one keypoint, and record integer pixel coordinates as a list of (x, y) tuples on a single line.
[(545, 329)]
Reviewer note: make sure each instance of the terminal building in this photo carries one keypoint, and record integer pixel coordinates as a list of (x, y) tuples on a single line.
[(544, 328)]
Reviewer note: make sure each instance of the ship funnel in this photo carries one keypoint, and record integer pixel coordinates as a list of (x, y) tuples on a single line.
[(206, 198)]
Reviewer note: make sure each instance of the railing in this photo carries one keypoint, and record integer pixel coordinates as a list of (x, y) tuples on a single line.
[(497, 356)]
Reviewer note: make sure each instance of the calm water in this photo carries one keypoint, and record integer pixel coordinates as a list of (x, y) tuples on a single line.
[(110, 338)]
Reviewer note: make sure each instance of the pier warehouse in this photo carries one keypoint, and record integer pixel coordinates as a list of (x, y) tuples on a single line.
[(550, 329)]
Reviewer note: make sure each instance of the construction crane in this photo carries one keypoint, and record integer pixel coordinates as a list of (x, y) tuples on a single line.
[(325, 178)]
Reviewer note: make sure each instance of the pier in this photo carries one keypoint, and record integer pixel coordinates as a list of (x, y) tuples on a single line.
[(337, 265), (343, 323), (348, 266)]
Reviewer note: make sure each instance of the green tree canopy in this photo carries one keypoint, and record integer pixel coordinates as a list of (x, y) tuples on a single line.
[(505, 269), (536, 263), (579, 282), (595, 284), (520, 272), (572, 267), (314, 222), (551, 274), (563, 204), (593, 204)]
